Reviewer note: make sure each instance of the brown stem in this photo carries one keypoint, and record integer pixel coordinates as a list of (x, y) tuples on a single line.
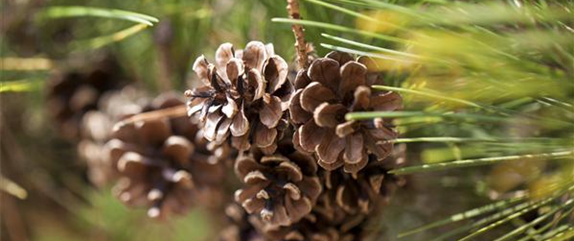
[(298, 31), (172, 112)]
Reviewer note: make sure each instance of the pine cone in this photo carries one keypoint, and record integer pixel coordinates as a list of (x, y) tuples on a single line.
[(96, 130), (367, 190), (281, 188), (159, 165), (245, 94), (330, 88), (73, 93)]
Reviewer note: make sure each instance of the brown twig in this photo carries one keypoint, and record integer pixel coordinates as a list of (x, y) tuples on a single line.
[(172, 112), (298, 31)]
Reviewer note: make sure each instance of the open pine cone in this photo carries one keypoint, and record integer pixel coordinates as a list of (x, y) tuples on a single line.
[(244, 94), (74, 92), (325, 92), (158, 163), (281, 188)]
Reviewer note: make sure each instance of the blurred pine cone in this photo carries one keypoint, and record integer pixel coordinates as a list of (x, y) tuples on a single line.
[(96, 130), (281, 188), (159, 165), (245, 94), (74, 92), (325, 92)]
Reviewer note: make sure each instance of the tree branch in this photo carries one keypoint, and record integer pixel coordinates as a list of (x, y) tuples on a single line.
[(298, 31)]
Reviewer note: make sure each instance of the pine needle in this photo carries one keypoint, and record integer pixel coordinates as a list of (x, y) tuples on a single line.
[(480, 162), (534, 222), (25, 64), (491, 218), (362, 53), (566, 235), (101, 41), (12, 188), (338, 28), (465, 215), (171, 112), (357, 14), (431, 95), (505, 220), (401, 114), (20, 85), (469, 139), (368, 46), (548, 226), (83, 11)]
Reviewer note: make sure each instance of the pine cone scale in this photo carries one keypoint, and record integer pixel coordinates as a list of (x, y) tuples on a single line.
[(314, 95)]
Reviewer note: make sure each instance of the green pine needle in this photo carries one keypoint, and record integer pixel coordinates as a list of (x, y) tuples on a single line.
[(101, 41), (505, 220), (431, 95), (368, 46), (465, 215), (566, 235), (480, 162), (362, 53), (338, 28), (401, 114), (83, 11), (446, 139), (549, 226), (534, 222), (20, 85)]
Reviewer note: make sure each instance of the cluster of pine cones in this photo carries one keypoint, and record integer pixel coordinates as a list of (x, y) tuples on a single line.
[(306, 172)]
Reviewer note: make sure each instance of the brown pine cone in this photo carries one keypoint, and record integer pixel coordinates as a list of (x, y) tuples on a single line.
[(74, 92), (367, 190), (330, 88), (245, 94), (281, 188), (158, 163), (96, 130)]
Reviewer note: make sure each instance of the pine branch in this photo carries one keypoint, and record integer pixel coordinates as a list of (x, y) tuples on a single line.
[(299, 32)]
